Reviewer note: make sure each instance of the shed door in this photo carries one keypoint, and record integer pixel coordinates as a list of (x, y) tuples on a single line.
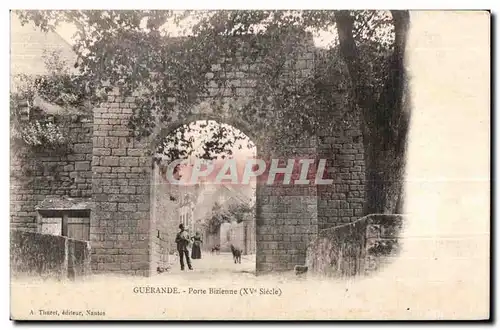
[(79, 228)]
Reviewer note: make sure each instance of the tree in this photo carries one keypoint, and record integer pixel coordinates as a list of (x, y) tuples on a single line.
[(240, 212), (385, 116), (128, 49), (220, 214), (51, 101), (214, 140)]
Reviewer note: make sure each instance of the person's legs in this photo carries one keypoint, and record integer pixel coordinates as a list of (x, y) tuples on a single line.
[(188, 260), (181, 259)]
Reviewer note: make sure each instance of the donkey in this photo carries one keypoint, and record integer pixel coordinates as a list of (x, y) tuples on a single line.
[(236, 254)]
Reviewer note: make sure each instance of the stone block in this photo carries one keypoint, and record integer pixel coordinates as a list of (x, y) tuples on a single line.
[(102, 151), (135, 152), (121, 170), (82, 166), (119, 133), (128, 190), (101, 169), (119, 152), (109, 161), (111, 142), (129, 161), (127, 207), (107, 206), (111, 190)]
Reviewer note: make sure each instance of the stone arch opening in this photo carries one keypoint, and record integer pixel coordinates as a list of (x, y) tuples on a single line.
[(218, 206), (122, 232)]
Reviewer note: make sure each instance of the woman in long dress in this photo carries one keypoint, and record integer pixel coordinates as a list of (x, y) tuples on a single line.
[(196, 250)]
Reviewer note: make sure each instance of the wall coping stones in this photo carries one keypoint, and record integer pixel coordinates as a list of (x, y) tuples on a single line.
[(65, 203), (48, 256), (355, 248)]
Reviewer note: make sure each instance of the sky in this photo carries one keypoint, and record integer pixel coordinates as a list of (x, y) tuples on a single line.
[(321, 39)]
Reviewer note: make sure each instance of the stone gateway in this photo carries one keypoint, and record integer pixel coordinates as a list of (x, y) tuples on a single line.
[(113, 178)]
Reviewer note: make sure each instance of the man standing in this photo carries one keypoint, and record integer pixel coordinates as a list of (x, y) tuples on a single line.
[(182, 240)]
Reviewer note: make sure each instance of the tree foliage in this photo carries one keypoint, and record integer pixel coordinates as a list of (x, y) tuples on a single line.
[(204, 140), (226, 214), (130, 49), (52, 99), (383, 104)]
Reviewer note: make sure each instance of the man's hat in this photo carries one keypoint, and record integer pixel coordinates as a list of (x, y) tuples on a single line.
[(181, 226)]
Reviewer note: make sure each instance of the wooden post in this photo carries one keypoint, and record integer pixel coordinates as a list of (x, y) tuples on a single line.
[(64, 225)]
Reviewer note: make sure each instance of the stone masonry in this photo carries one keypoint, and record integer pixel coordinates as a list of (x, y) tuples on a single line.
[(40, 174), (121, 180), (360, 247), (130, 233)]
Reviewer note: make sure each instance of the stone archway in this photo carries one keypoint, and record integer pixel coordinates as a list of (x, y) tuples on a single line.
[(287, 216), (115, 173), (167, 205), (121, 227)]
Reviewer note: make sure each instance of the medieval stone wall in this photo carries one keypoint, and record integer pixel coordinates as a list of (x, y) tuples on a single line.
[(127, 235), (39, 174), (357, 248), (164, 220), (48, 256), (341, 202), (340, 141), (286, 214), (121, 179)]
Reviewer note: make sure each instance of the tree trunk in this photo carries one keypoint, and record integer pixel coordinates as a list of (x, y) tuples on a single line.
[(384, 180), (385, 121)]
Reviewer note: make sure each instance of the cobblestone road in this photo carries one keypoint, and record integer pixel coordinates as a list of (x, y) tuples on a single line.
[(211, 265)]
